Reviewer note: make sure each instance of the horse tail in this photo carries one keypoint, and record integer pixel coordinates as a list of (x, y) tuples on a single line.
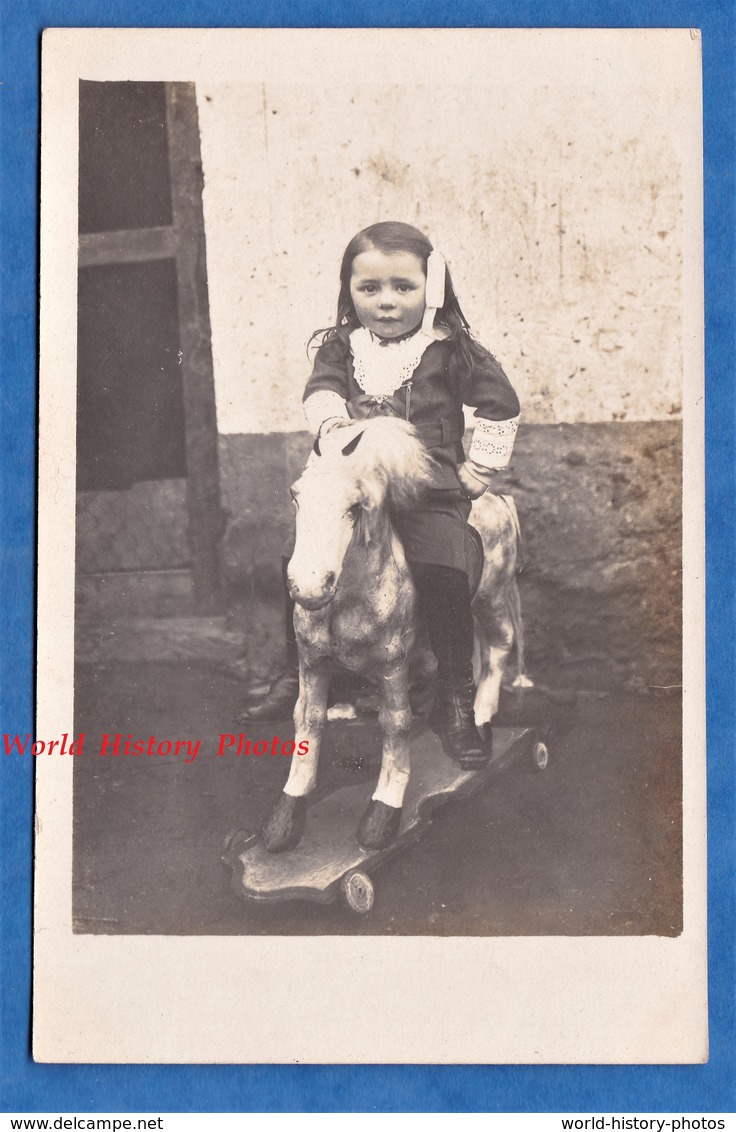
[(513, 601)]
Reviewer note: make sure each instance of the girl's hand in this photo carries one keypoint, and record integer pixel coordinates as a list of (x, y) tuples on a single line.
[(472, 487), (331, 423)]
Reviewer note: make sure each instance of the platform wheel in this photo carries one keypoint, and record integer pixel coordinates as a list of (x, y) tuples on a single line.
[(540, 754), (358, 892)]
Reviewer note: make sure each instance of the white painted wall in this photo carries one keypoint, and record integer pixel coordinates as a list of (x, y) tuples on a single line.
[(559, 208)]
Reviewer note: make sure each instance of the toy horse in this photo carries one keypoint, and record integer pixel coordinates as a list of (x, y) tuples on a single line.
[(356, 604)]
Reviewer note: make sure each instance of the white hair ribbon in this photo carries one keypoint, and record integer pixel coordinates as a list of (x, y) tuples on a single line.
[(435, 290)]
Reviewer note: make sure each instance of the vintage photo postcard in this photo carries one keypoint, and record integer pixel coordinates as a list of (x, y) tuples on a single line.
[(370, 607)]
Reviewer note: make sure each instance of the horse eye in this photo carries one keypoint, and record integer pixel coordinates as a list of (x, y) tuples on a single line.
[(354, 511)]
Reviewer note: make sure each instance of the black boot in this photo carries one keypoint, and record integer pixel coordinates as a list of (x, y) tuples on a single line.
[(280, 699), (445, 599), (452, 719)]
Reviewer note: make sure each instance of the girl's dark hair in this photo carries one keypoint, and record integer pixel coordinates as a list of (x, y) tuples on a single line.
[(390, 237)]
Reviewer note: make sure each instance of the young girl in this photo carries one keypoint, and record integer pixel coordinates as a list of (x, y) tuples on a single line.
[(401, 345)]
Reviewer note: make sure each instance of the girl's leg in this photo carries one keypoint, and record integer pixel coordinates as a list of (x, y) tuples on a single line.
[(280, 699), (445, 598)]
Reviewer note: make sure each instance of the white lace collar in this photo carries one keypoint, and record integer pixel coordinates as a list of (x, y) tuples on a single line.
[(383, 367)]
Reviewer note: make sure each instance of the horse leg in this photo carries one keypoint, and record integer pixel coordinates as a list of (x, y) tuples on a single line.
[(285, 825), (521, 680), (477, 654), (495, 633), (380, 821)]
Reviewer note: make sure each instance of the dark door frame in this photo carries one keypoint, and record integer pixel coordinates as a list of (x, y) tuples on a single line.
[(184, 242)]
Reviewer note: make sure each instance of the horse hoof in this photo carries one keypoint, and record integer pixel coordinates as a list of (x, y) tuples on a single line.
[(379, 825), (285, 826)]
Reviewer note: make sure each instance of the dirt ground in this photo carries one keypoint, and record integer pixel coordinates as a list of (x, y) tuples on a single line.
[(591, 845)]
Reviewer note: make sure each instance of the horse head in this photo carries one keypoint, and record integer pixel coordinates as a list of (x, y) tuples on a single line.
[(354, 475)]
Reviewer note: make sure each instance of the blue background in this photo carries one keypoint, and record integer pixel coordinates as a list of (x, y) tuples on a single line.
[(27, 1087)]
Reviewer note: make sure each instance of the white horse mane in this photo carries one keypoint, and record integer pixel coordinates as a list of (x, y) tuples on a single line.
[(386, 455)]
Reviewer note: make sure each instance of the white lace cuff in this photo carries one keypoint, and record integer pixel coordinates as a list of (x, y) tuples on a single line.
[(322, 405), (493, 442)]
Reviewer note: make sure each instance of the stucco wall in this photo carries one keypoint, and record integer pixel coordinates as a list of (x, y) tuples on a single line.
[(559, 207)]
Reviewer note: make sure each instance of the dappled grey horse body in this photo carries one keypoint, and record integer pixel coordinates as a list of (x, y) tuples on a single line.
[(356, 605)]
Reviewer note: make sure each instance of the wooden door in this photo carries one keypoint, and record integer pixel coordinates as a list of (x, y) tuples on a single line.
[(146, 402)]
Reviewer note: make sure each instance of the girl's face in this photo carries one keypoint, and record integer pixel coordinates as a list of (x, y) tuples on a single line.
[(388, 291)]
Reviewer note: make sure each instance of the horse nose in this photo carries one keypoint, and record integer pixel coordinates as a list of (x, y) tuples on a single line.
[(296, 590), (312, 592)]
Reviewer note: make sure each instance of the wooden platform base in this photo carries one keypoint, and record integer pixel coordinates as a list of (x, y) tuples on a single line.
[(329, 852)]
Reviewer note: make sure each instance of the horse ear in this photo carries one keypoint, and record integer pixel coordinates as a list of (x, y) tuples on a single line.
[(352, 445), (316, 448)]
